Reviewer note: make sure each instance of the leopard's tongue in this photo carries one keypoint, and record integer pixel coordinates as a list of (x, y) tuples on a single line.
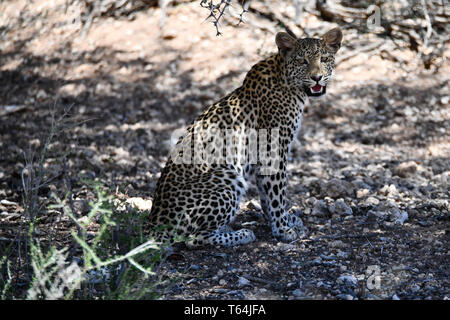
[(316, 88)]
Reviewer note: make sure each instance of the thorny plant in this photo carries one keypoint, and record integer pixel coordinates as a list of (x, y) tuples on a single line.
[(217, 10), (101, 271), (34, 176), (111, 264)]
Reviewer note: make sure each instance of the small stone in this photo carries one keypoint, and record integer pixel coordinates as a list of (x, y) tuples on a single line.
[(317, 261), (405, 169), (41, 95), (8, 203), (72, 89), (242, 282), (438, 243), (389, 190), (222, 282), (345, 296), (361, 193), (11, 108), (169, 36), (238, 293), (220, 255), (10, 215), (325, 257), (140, 203), (395, 297), (429, 288), (390, 212), (401, 217), (84, 220), (337, 244), (297, 293), (320, 209), (281, 246), (337, 188), (348, 279), (311, 201), (360, 185), (341, 208), (371, 201), (291, 285), (220, 290)]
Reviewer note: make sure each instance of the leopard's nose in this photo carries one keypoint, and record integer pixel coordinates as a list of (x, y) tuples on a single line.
[(316, 78)]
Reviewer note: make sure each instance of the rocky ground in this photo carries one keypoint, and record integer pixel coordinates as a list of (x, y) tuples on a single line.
[(368, 174)]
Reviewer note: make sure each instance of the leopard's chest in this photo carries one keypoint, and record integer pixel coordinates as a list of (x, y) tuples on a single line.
[(295, 117), (297, 126)]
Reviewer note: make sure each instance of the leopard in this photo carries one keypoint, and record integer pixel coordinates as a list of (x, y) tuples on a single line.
[(196, 199)]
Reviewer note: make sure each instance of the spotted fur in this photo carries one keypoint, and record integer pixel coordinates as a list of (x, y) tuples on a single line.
[(198, 201)]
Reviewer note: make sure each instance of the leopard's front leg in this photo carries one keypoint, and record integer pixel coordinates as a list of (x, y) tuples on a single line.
[(272, 191)]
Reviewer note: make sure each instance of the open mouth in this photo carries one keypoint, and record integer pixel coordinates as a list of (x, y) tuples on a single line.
[(316, 91)]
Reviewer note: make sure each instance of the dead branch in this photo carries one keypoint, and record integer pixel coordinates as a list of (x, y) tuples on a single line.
[(372, 47), (421, 30), (217, 10), (273, 18)]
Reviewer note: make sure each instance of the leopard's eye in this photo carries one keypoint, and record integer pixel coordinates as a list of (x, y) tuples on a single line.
[(324, 59), (303, 61)]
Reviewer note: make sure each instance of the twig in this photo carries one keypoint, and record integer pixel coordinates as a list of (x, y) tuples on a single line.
[(245, 7), (344, 236), (71, 205), (90, 18), (272, 17), (162, 19), (368, 48), (11, 240), (429, 27), (369, 242), (220, 8)]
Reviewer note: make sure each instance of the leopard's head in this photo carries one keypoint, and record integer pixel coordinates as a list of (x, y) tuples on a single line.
[(309, 62)]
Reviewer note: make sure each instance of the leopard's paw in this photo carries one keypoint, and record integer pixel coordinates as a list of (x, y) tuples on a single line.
[(291, 228)]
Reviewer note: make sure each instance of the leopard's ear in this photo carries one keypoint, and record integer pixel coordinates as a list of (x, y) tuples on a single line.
[(284, 41), (333, 39)]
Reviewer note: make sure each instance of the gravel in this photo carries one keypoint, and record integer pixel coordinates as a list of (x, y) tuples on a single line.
[(368, 176)]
